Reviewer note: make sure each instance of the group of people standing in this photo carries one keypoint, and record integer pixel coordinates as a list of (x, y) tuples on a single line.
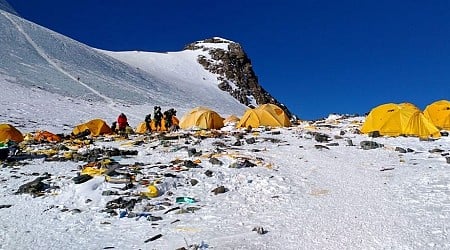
[(166, 121)]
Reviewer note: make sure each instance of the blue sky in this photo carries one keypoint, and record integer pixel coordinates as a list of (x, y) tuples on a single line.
[(317, 57)]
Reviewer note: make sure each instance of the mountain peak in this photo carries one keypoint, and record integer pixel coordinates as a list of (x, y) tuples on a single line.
[(5, 6), (235, 74), (209, 43)]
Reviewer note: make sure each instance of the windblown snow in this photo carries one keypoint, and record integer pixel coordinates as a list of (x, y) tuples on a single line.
[(264, 189)]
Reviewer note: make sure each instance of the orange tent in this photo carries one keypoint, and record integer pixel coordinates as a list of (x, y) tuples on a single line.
[(10, 133), (46, 136)]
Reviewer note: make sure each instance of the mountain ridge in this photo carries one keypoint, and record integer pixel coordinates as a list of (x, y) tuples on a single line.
[(39, 58)]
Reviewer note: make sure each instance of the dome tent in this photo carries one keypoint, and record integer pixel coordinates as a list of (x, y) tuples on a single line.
[(141, 128), (439, 114), (202, 118), (10, 133), (264, 115), (231, 119), (96, 127), (392, 119)]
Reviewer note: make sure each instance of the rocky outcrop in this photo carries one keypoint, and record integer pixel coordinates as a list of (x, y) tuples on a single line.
[(235, 73)]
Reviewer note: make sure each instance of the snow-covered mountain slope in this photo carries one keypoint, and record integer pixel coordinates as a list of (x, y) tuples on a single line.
[(34, 57), (5, 6)]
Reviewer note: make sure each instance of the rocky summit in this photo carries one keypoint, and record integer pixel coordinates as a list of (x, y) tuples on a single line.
[(234, 71)]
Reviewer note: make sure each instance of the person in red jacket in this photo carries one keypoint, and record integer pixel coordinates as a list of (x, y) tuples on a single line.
[(122, 122)]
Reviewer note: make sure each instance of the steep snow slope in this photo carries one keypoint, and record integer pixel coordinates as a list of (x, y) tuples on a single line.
[(177, 68), (35, 57), (7, 7)]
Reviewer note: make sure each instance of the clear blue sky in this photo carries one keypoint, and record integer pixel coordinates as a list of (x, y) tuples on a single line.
[(317, 57)]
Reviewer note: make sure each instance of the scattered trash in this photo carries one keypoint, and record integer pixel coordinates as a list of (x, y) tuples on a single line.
[(188, 200), (366, 145), (259, 230), (153, 238), (81, 178)]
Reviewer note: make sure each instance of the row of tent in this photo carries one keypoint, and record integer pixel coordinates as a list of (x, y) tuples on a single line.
[(200, 118), (406, 119), (387, 119)]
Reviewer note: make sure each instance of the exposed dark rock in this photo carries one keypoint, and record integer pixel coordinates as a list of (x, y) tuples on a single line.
[(243, 164), (321, 137), (219, 190), (250, 140), (273, 140), (191, 164), (374, 134), (81, 178), (209, 173), (35, 187), (194, 182), (318, 146), (233, 65), (219, 144), (193, 152), (215, 161), (366, 145), (401, 150), (436, 150)]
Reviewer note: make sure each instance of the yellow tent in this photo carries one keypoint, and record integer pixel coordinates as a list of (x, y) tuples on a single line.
[(399, 119), (142, 128), (96, 126), (439, 114), (9, 132), (202, 118), (231, 119), (264, 115)]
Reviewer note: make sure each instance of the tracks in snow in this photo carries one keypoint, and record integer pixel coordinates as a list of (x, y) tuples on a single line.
[(111, 104)]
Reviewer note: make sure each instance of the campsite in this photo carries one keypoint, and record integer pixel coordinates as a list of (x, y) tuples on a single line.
[(228, 186), (323, 133)]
